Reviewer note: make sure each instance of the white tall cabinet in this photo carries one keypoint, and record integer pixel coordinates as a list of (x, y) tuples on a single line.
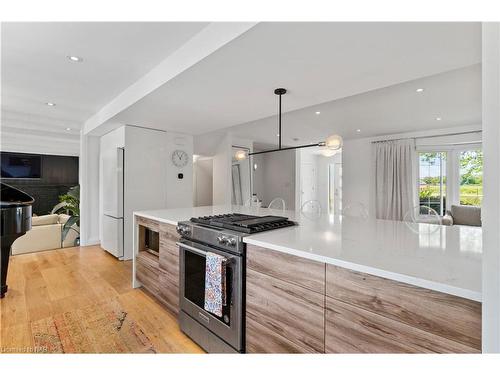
[(150, 180)]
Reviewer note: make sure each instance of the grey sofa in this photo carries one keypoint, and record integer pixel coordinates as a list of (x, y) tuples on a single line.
[(463, 215)]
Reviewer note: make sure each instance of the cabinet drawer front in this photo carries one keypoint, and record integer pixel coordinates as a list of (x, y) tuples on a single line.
[(350, 329), (260, 339), (148, 223), (147, 272), (168, 232), (296, 270), (169, 292), (169, 259), (169, 251), (169, 267), (451, 317), (287, 310)]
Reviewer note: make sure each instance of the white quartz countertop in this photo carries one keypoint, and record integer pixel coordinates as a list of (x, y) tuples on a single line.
[(441, 258)]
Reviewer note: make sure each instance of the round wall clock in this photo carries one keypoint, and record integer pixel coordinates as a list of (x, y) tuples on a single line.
[(180, 158)]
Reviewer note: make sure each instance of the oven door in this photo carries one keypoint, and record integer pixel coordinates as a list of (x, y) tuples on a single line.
[(229, 327)]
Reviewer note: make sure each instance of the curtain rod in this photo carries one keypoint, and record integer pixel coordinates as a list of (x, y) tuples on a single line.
[(430, 136)]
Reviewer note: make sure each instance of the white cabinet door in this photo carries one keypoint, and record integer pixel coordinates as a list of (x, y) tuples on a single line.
[(307, 183), (112, 235)]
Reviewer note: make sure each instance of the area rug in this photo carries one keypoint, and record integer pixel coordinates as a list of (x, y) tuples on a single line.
[(99, 328)]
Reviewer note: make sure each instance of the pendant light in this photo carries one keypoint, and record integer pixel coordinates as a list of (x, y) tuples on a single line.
[(240, 155), (333, 143)]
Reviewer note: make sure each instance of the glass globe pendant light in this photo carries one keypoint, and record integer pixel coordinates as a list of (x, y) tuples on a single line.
[(240, 155), (333, 143)]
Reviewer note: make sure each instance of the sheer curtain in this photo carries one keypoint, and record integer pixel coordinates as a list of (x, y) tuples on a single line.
[(395, 178)]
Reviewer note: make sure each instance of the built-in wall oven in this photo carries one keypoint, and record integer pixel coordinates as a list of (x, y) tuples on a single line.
[(214, 334)]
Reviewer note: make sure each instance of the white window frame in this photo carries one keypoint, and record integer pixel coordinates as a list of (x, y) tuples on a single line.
[(452, 169)]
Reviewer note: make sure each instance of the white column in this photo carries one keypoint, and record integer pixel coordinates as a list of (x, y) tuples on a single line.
[(491, 203), (89, 190)]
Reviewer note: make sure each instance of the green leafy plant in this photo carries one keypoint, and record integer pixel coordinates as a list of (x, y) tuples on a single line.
[(71, 205), (425, 193)]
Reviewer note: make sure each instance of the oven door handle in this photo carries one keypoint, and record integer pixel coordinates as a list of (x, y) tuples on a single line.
[(191, 248), (202, 253)]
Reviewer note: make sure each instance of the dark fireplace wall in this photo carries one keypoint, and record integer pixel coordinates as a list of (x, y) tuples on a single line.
[(59, 173)]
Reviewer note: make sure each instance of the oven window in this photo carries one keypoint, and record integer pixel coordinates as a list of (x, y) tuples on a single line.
[(194, 284)]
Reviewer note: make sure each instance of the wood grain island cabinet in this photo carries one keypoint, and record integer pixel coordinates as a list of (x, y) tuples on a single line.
[(296, 305), (159, 273)]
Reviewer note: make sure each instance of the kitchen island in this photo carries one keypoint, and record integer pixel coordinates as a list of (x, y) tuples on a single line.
[(339, 284)]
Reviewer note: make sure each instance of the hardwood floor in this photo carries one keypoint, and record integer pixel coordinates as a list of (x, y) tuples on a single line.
[(45, 284)]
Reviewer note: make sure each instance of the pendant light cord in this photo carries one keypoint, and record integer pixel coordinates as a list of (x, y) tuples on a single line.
[(279, 122), (338, 139)]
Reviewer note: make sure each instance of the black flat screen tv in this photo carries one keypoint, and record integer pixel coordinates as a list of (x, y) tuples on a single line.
[(15, 165)]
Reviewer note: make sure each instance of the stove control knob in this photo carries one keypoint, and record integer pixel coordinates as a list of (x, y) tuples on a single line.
[(222, 240), (183, 230), (231, 241)]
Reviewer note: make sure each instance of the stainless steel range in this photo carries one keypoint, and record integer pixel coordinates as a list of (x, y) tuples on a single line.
[(222, 235)]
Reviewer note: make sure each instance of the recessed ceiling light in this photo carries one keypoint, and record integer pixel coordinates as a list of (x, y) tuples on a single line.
[(50, 104), (295, 139), (318, 112), (358, 130), (438, 118), (75, 58), (420, 90), (68, 129)]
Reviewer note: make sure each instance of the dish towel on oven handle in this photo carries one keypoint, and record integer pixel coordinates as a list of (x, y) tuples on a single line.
[(215, 283)]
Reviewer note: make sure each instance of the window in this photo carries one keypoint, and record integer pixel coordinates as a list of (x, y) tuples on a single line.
[(471, 177), (454, 176), (432, 180)]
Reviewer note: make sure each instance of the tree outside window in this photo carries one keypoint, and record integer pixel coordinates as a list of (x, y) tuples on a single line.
[(466, 181), (471, 177)]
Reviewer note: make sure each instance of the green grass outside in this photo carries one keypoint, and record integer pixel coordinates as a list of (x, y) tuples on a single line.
[(470, 195)]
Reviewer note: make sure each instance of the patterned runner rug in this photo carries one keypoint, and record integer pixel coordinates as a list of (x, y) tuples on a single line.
[(99, 328)]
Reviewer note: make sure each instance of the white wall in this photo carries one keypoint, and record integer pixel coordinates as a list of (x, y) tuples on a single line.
[(49, 144), (245, 167), (313, 158), (275, 177), (303, 157), (151, 179), (358, 174), (89, 190), (323, 177), (358, 160), (491, 202), (222, 172), (179, 191), (203, 182)]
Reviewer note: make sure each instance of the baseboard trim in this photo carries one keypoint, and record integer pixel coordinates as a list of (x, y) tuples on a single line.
[(90, 242)]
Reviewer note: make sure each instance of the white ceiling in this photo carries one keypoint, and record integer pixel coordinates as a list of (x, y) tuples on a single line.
[(453, 96), (316, 62), (35, 68)]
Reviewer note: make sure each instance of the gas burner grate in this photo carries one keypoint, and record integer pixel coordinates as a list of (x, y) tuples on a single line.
[(244, 223)]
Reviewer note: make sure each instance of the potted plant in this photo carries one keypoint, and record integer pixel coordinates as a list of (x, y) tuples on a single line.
[(70, 204)]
